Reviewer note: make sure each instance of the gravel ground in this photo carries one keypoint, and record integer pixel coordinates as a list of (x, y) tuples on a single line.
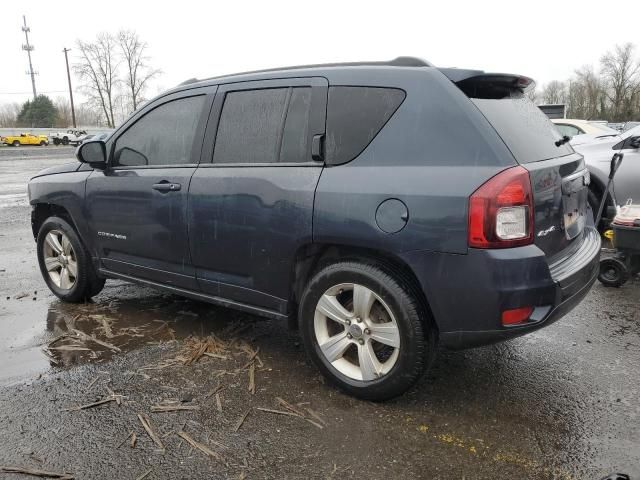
[(559, 403)]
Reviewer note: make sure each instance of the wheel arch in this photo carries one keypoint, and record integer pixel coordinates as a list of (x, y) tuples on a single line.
[(41, 211), (310, 258)]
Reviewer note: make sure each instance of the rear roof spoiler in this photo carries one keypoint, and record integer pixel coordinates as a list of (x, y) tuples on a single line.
[(462, 77)]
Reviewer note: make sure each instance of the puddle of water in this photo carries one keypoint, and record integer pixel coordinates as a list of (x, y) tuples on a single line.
[(51, 334)]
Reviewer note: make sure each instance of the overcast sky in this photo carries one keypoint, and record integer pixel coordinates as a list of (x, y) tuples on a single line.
[(543, 39)]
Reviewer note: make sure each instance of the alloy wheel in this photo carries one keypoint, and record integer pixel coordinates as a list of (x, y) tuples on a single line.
[(60, 259), (357, 332)]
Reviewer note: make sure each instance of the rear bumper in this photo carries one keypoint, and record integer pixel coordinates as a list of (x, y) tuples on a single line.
[(468, 293)]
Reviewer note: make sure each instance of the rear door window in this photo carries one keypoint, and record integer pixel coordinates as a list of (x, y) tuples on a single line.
[(264, 126), (355, 115), (523, 127)]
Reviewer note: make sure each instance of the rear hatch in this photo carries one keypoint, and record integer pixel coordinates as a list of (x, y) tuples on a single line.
[(559, 178)]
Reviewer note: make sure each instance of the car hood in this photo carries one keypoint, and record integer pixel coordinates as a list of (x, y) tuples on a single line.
[(64, 168)]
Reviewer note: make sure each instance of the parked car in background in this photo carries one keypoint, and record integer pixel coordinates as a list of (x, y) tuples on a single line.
[(629, 126), (381, 207), (70, 137), (573, 127), (597, 155), (25, 139)]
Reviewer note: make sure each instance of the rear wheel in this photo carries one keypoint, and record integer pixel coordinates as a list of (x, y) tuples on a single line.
[(16, 143), (65, 141), (56, 141), (42, 143), (64, 262), (613, 272), (362, 328)]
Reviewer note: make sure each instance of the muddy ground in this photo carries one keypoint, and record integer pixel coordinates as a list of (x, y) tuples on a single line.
[(560, 403)]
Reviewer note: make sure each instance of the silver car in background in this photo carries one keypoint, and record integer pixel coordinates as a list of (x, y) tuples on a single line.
[(597, 154)]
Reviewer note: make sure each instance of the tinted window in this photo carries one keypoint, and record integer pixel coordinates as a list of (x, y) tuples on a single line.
[(568, 130), (264, 126), (355, 115), (163, 136), (523, 127)]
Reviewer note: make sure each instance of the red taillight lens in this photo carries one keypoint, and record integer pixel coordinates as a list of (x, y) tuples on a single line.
[(516, 315), (501, 211)]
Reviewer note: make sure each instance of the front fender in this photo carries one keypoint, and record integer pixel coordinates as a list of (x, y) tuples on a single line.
[(63, 190)]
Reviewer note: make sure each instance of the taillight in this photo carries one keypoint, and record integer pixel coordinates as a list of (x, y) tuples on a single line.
[(501, 211)]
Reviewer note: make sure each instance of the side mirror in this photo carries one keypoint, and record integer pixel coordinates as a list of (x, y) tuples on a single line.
[(93, 152)]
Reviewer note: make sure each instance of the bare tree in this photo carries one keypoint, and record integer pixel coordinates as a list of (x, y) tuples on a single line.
[(554, 92), (621, 74), (139, 73), (98, 70), (532, 93), (9, 114)]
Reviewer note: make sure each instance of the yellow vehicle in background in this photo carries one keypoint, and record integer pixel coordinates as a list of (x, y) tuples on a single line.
[(25, 139)]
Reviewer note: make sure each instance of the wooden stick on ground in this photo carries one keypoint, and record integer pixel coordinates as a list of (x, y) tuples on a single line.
[(241, 421), (173, 408), (146, 424), (145, 474), (36, 473), (200, 446)]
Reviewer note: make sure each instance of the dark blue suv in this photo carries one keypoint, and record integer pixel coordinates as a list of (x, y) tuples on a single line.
[(381, 207)]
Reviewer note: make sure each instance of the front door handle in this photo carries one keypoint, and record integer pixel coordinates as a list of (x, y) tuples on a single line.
[(167, 187)]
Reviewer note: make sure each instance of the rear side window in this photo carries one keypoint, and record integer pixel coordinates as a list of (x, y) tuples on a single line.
[(568, 130), (163, 136), (523, 127), (264, 126), (355, 115)]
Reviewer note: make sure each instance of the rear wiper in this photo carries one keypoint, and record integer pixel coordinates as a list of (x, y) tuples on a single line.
[(562, 141)]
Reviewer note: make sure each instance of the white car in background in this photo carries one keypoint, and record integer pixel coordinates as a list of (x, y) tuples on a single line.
[(582, 131), (597, 155)]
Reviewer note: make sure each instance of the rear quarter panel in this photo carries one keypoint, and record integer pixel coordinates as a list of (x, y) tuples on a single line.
[(432, 154)]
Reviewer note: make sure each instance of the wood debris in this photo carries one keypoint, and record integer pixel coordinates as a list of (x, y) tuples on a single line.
[(200, 446), (146, 424), (131, 434), (134, 439), (90, 338), (277, 412), (110, 398), (218, 402), (214, 391), (241, 421), (145, 474), (195, 348), (37, 473), (21, 295), (173, 408), (252, 379), (293, 411), (70, 348)]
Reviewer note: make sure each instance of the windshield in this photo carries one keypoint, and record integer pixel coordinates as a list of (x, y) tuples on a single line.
[(523, 127), (631, 132)]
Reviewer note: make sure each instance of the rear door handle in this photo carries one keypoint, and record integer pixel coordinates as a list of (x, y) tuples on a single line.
[(167, 187)]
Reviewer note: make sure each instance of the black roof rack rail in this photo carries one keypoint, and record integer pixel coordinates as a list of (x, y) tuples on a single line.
[(396, 62)]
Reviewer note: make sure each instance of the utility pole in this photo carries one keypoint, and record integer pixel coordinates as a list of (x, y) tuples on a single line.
[(73, 111), (28, 48)]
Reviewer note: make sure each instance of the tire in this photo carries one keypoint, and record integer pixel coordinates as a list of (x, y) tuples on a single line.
[(65, 141), (613, 272), (56, 141), (60, 249), (16, 143), (43, 143), (397, 368)]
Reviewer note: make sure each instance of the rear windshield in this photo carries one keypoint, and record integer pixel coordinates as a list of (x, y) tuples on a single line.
[(524, 128)]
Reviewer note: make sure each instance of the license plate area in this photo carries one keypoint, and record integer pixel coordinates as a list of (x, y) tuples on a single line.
[(574, 204)]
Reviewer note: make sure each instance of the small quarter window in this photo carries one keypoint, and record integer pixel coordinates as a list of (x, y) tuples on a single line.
[(355, 115)]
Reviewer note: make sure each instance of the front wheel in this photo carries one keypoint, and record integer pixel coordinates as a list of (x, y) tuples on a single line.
[(42, 143), (64, 262), (65, 141), (56, 141), (16, 143), (363, 329)]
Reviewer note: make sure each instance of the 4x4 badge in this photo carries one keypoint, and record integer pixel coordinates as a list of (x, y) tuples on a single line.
[(544, 233)]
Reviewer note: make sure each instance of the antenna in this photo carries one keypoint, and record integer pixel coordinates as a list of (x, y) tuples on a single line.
[(27, 47)]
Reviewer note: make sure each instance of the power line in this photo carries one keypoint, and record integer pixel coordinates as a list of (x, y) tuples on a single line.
[(29, 48), (27, 93)]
